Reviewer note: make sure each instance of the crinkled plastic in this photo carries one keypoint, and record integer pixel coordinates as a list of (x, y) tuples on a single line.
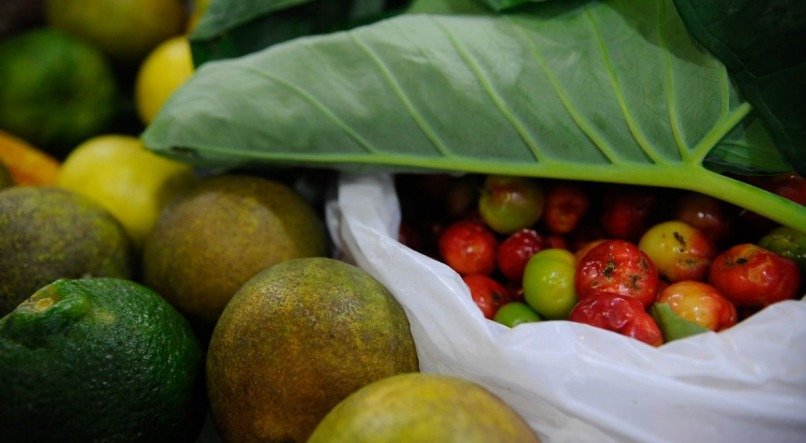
[(573, 382)]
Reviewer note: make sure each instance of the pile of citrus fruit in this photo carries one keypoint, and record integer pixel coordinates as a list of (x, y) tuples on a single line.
[(144, 300)]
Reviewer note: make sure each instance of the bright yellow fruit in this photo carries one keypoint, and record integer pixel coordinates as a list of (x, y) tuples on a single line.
[(163, 71), (131, 182)]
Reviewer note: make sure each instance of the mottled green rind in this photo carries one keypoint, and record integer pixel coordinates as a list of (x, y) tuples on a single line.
[(110, 360), (215, 237), (50, 233), (56, 90), (296, 340)]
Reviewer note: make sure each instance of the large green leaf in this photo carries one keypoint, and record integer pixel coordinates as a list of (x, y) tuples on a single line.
[(607, 91), (763, 44)]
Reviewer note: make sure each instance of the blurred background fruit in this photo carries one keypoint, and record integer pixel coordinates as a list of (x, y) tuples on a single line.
[(297, 339), (99, 359), (57, 90), (17, 15), (199, 7), (5, 177), (27, 164), (168, 66), (126, 30), (131, 182), (421, 407), (48, 233), (212, 239)]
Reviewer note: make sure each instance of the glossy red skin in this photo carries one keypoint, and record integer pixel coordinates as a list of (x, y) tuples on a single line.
[(753, 277), (566, 204), (706, 213), (587, 247), (468, 247), (488, 294), (627, 211), (617, 267), (618, 313), (700, 303), (516, 250)]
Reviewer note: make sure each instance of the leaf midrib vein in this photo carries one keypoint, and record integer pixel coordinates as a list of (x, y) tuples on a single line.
[(636, 132)]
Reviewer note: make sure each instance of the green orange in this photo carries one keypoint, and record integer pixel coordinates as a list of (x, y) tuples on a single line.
[(98, 359), (56, 90)]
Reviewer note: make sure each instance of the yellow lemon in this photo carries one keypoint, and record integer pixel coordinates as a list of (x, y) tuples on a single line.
[(131, 182), (163, 71)]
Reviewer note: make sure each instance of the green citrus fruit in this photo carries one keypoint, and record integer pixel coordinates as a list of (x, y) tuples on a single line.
[(125, 29), (56, 90), (421, 407), (213, 238), (98, 359), (297, 339), (48, 233), (131, 182)]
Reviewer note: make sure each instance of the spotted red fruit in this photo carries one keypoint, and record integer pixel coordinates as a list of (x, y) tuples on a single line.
[(753, 277), (618, 267), (516, 250), (468, 247)]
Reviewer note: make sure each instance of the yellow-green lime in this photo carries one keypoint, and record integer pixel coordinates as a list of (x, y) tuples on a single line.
[(297, 339), (422, 407), (49, 233), (213, 238)]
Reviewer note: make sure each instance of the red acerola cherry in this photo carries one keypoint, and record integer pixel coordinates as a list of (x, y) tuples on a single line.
[(468, 247), (516, 250)]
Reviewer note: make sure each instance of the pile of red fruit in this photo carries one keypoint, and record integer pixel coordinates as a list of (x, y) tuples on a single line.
[(650, 263)]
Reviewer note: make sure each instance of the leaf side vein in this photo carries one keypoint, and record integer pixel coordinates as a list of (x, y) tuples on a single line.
[(317, 104), (412, 111), (594, 136), (513, 120), (636, 132)]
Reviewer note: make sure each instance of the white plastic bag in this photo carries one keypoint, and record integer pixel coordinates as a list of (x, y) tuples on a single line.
[(573, 382)]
